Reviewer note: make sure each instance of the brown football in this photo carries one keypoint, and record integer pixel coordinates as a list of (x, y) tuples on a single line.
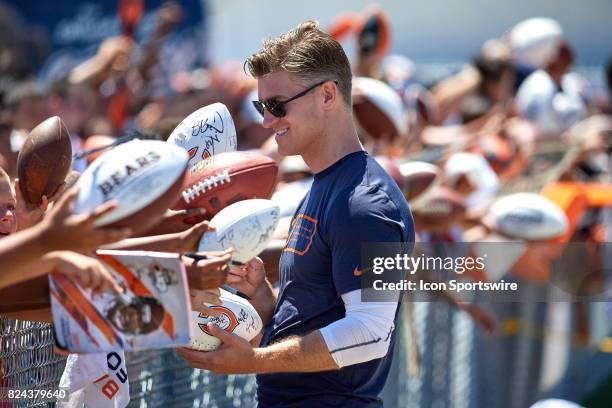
[(418, 178), (44, 160), (373, 120), (392, 169), (438, 210), (226, 178)]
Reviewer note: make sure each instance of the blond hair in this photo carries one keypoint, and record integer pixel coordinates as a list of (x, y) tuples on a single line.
[(308, 53)]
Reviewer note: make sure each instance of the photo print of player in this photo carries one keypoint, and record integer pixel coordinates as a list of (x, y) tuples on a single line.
[(151, 311), (135, 315)]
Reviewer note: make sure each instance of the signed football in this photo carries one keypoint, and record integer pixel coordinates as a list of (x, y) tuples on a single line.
[(208, 131), (238, 316), (246, 226), (144, 176), (527, 216)]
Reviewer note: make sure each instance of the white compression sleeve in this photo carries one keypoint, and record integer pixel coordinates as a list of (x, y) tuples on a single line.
[(363, 334)]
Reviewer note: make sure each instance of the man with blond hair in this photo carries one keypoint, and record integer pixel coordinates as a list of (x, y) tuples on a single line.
[(322, 346)]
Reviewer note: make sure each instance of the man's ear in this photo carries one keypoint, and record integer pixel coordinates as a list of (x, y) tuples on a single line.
[(330, 93)]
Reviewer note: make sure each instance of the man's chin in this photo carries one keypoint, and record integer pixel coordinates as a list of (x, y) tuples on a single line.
[(286, 151)]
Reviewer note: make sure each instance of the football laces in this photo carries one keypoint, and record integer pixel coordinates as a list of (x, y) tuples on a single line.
[(205, 185)]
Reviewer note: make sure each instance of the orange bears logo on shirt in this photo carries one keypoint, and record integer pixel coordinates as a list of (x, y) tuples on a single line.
[(301, 234)]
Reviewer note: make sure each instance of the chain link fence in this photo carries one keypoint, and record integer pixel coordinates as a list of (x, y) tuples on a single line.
[(158, 378), (27, 359), (526, 360), (458, 365)]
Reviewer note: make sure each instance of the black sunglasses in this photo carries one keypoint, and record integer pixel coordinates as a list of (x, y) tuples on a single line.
[(277, 108)]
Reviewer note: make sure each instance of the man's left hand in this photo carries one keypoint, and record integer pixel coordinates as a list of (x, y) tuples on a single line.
[(234, 356)]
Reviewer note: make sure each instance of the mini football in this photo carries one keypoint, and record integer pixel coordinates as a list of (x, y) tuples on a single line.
[(418, 177), (526, 216), (246, 226), (144, 176), (44, 160), (238, 316), (226, 178), (208, 131)]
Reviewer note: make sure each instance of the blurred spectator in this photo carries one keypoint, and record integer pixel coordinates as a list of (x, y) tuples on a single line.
[(371, 30), (478, 88), (75, 104), (471, 176), (546, 97), (496, 81), (27, 105), (97, 125), (398, 71), (22, 46)]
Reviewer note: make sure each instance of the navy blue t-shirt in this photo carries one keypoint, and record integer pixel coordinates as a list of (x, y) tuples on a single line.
[(351, 202)]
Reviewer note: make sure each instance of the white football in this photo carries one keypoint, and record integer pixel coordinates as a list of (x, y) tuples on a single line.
[(535, 41), (411, 168), (238, 316), (144, 176), (527, 216), (247, 226), (205, 132)]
